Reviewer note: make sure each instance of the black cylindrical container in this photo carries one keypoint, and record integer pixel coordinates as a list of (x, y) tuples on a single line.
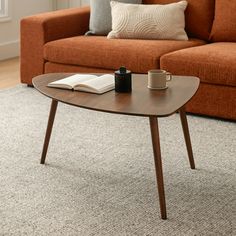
[(123, 80)]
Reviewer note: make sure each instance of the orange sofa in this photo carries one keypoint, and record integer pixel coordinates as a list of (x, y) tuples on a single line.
[(55, 42)]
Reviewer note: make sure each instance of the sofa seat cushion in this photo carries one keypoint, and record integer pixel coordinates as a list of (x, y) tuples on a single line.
[(212, 63), (97, 51)]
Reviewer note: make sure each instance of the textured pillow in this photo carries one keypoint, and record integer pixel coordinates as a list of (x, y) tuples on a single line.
[(199, 16), (148, 21), (224, 25), (100, 16)]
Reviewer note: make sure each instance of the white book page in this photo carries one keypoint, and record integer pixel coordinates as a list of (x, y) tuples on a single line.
[(101, 83), (73, 80)]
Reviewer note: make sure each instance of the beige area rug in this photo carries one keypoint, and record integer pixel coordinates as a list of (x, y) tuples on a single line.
[(100, 179)]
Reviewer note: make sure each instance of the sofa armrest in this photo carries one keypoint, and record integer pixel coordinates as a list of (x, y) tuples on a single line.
[(45, 27)]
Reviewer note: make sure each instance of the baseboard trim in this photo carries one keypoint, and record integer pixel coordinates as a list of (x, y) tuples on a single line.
[(9, 50)]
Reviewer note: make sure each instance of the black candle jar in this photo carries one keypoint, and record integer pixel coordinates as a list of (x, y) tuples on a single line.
[(123, 80)]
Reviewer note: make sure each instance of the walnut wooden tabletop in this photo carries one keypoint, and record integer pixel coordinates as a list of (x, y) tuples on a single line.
[(140, 102)]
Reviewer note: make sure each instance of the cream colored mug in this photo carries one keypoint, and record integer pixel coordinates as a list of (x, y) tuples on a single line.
[(157, 79)]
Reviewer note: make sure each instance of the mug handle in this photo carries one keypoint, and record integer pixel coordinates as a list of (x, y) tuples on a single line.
[(170, 76)]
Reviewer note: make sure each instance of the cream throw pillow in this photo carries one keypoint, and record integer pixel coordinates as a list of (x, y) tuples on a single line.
[(148, 21)]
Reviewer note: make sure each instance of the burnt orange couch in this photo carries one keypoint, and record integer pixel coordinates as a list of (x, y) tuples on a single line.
[(55, 42)]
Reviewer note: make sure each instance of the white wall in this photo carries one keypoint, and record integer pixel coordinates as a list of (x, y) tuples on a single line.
[(60, 4), (10, 30)]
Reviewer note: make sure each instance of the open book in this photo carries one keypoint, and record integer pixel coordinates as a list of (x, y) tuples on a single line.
[(86, 83)]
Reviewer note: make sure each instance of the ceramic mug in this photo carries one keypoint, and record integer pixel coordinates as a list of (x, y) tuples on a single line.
[(157, 79)]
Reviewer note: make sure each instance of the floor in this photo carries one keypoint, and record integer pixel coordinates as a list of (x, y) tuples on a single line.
[(9, 73)]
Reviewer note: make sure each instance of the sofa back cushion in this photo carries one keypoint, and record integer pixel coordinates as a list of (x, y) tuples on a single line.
[(224, 25), (199, 16)]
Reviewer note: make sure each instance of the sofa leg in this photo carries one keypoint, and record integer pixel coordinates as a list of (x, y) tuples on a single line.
[(30, 85)]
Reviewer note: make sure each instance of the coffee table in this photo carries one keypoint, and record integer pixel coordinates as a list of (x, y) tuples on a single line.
[(140, 102)]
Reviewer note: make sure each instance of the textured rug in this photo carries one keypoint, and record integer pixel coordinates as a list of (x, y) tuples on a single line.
[(100, 179)]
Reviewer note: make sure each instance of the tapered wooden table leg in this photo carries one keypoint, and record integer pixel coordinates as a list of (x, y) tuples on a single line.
[(49, 130), (158, 164), (187, 136)]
